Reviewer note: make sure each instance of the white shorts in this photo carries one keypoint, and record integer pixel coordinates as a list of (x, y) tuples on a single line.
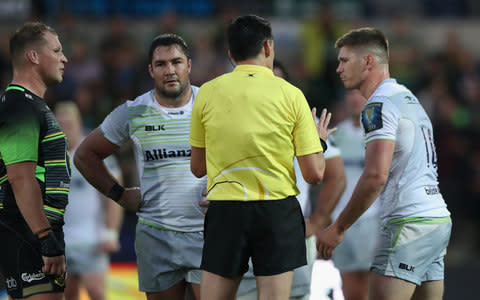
[(413, 249), (301, 277), (357, 249), (85, 258), (166, 257)]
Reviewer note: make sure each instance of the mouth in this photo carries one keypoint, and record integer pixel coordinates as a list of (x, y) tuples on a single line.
[(170, 82)]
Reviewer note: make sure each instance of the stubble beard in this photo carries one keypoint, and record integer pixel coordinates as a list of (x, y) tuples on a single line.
[(171, 94), (52, 80)]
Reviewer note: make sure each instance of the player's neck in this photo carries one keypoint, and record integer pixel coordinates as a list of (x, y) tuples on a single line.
[(373, 81), (179, 101), (257, 61), (31, 81)]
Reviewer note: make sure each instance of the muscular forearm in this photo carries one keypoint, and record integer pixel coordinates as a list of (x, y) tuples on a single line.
[(332, 189), (92, 167), (368, 188)]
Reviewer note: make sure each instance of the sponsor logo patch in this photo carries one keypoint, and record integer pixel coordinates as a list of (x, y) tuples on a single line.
[(406, 267), (157, 154), (60, 280), (176, 112), (29, 277), (11, 283), (372, 117), (432, 190), (154, 127)]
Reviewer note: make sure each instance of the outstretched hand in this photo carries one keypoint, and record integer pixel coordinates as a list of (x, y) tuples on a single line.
[(323, 122)]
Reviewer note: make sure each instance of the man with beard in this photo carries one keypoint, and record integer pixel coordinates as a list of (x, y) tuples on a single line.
[(169, 234)]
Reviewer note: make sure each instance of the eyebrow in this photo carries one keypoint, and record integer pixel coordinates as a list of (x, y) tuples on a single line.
[(165, 60)]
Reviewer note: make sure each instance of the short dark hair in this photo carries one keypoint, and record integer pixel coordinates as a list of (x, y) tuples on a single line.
[(246, 35), (279, 64), (370, 38), (168, 39), (30, 33)]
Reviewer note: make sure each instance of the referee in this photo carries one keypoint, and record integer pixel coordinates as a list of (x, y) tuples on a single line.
[(246, 128)]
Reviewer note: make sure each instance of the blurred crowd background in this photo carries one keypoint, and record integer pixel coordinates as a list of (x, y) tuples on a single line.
[(435, 51)]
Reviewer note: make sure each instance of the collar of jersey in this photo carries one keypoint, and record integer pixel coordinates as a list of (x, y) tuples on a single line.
[(254, 69), (388, 80)]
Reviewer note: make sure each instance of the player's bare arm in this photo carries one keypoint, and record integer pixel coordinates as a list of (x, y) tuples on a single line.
[(29, 200), (198, 164), (378, 157), (89, 161), (333, 185)]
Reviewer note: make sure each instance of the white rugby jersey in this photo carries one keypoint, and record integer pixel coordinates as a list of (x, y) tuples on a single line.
[(85, 212), (351, 142), (394, 113), (303, 186), (170, 192)]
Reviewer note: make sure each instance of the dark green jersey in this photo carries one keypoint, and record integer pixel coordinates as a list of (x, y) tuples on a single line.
[(30, 132)]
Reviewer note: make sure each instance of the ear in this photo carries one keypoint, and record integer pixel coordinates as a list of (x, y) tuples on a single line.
[(370, 61), (33, 57), (189, 64), (268, 47), (150, 70)]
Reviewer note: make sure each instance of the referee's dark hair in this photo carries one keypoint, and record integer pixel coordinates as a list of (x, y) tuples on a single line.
[(168, 39), (246, 35)]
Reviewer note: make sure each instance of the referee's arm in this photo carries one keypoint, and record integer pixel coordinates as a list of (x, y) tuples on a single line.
[(198, 164)]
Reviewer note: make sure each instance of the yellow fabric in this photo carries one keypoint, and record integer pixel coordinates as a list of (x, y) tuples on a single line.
[(252, 124)]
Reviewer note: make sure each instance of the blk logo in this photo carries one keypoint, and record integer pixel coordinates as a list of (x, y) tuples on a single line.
[(406, 267), (154, 127)]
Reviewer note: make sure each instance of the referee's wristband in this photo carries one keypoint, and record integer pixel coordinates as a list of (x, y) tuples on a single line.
[(324, 145), (116, 192)]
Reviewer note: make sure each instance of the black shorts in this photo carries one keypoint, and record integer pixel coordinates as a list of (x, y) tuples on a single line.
[(21, 262), (271, 232)]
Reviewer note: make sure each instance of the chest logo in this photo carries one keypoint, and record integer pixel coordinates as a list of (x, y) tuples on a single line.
[(154, 127)]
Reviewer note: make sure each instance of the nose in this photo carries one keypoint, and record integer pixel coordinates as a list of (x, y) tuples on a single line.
[(339, 68), (64, 59), (170, 68)]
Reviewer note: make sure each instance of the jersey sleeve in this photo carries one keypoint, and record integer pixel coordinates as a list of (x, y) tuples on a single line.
[(19, 132), (380, 119), (305, 136), (197, 130), (115, 127)]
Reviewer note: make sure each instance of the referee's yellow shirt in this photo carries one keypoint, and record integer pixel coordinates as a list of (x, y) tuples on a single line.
[(252, 123)]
